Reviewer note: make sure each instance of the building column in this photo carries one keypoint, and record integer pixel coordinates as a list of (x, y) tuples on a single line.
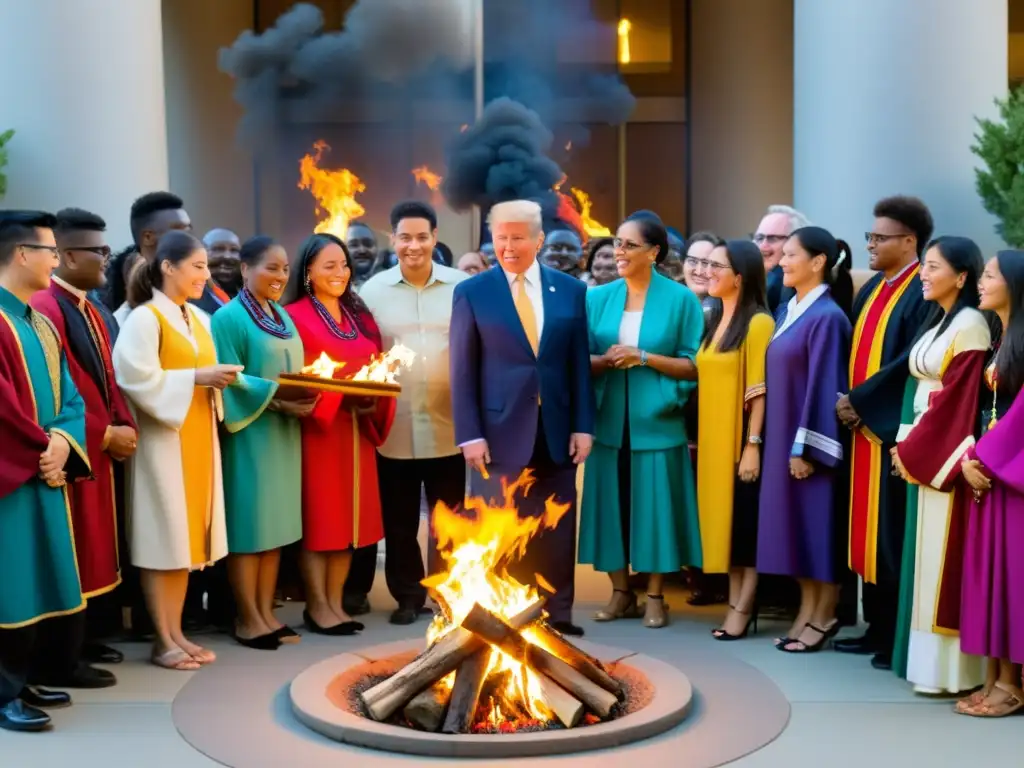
[(83, 86), (885, 98)]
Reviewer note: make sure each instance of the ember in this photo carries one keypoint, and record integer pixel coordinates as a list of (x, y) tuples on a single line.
[(492, 663)]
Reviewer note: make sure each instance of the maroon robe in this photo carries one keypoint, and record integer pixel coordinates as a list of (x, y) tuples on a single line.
[(86, 336)]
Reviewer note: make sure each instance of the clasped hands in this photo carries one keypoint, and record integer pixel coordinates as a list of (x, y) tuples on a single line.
[(973, 472), (121, 442), (621, 356), (846, 412), (53, 459)]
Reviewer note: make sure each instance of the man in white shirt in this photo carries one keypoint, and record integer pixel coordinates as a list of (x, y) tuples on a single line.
[(412, 304)]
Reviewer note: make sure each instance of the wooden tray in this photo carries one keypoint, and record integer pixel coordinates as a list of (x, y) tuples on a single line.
[(341, 386)]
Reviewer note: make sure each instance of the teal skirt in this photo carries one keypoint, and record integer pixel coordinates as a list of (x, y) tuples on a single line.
[(659, 531)]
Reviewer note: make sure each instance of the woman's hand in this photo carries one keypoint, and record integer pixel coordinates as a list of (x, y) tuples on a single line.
[(799, 468), (622, 356), (217, 376), (299, 409), (897, 465), (973, 473), (750, 463)]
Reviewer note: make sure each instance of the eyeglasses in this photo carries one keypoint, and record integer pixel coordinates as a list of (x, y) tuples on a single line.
[(628, 245), (705, 264), (38, 247), (99, 250), (770, 239), (874, 238)]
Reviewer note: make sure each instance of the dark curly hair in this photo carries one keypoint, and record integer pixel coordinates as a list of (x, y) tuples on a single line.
[(912, 213)]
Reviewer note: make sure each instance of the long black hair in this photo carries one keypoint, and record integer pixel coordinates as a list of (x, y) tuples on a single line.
[(746, 261), (818, 241), (964, 257), (174, 246), (116, 292), (297, 286), (1010, 360)]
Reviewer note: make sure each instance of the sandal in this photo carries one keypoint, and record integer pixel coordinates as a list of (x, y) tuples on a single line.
[(655, 618), (799, 646), (175, 659), (1011, 705), (721, 634), (630, 611), (204, 656), (972, 700)]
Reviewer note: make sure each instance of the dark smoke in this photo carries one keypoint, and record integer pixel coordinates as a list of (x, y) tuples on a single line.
[(503, 156)]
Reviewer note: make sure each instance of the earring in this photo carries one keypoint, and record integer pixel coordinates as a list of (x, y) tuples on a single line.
[(307, 286)]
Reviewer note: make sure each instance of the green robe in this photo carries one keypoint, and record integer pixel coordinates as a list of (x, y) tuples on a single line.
[(262, 450), (38, 399)]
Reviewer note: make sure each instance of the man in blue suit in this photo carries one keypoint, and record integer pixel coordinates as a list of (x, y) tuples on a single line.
[(521, 390)]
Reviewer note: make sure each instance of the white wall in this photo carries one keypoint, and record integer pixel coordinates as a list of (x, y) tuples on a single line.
[(83, 86), (741, 86)]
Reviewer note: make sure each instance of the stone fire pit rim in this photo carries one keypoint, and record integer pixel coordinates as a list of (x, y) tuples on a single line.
[(308, 693)]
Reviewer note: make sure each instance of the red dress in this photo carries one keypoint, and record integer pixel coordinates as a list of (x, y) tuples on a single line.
[(340, 498), (86, 334)]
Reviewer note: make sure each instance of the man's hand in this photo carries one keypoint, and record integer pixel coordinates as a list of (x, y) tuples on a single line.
[(846, 413), (799, 468), (121, 442), (579, 447), (477, 456), (55, 456)]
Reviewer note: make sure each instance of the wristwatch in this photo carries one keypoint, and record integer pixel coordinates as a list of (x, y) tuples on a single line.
[(755, 440), (643, 357)]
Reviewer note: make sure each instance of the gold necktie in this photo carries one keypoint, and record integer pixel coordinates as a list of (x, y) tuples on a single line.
[(524, 308)]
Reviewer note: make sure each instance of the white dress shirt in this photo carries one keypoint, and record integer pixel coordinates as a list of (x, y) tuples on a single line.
[(534, 292), (795, 309)]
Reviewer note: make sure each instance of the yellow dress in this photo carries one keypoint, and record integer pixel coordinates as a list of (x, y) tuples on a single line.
[(727, 382)]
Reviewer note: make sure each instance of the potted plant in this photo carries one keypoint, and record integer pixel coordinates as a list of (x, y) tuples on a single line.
[(4, 138), (1000, 184)]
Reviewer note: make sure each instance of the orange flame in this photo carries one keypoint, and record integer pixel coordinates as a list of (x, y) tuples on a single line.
[(561, 181), (335, 192), (591, 226), (624, 28), (382, 369), (477, 547), (323, 367), (424, 175)]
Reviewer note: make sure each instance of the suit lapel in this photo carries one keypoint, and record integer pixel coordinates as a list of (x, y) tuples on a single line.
[(549, 299), (507, 307), (79, 336)]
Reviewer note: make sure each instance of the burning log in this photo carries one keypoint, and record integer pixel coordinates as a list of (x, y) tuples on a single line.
[(567, 708), (426, 709), (491, 628), (575, 658), (444, 656), (469, 682)]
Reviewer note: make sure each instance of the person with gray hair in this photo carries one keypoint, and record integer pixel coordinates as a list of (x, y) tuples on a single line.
[(522, 397), (222, 249), (778, 223)]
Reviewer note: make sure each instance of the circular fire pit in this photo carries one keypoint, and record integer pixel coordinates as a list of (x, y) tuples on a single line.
[(658, 697)]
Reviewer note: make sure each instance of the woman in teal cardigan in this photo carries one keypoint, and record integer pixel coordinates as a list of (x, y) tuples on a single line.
[(639, 501)]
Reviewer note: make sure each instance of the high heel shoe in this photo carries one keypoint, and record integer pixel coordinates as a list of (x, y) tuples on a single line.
[(629, 611), (721, 634), (657, 620), (823, 641)]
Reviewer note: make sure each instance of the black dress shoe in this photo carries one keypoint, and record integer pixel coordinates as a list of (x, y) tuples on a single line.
[(84, 676), (19, 716), (882, 661), (97, 653), (862, 646), (404, 615), (356, 606), (567, 628), (44, 698)]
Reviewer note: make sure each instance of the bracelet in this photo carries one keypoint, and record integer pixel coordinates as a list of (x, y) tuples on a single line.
[(643, 358), (754, 440)]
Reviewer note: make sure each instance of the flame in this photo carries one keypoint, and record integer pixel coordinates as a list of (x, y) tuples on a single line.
[(477, 546), (591, 226), (561, 181), (624, 28), (384, 368), (323, 367), (424, 175), (335, 192)]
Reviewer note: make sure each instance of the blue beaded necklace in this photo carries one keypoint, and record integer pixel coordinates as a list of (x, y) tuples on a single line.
[(331, 323), (270, 323)]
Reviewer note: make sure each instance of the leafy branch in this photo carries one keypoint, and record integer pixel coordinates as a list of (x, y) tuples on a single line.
[(1000, 145), (4, 138)]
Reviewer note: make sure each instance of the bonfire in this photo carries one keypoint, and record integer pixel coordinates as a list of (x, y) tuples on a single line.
[(492, 663)]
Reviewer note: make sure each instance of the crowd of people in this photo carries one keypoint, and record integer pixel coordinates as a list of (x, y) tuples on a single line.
[(740, 409)]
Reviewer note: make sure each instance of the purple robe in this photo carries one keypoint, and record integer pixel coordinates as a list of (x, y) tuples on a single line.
[(992, 596), (800, 528)]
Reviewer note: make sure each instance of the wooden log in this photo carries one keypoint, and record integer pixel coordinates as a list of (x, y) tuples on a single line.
[(495, 631), (444, 656), (469, 682), (426, 709), (575, 658), (566, 707)]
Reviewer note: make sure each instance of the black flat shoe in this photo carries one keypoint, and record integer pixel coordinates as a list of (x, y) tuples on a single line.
[(882, 661), (861, 646), (567, 628), (287, 634), (97, 653), (267, 642), (44, 698), (19, 716), (345, 628)]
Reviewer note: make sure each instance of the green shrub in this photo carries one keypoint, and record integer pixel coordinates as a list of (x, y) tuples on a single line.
[(4, 138), (1000, 145)]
